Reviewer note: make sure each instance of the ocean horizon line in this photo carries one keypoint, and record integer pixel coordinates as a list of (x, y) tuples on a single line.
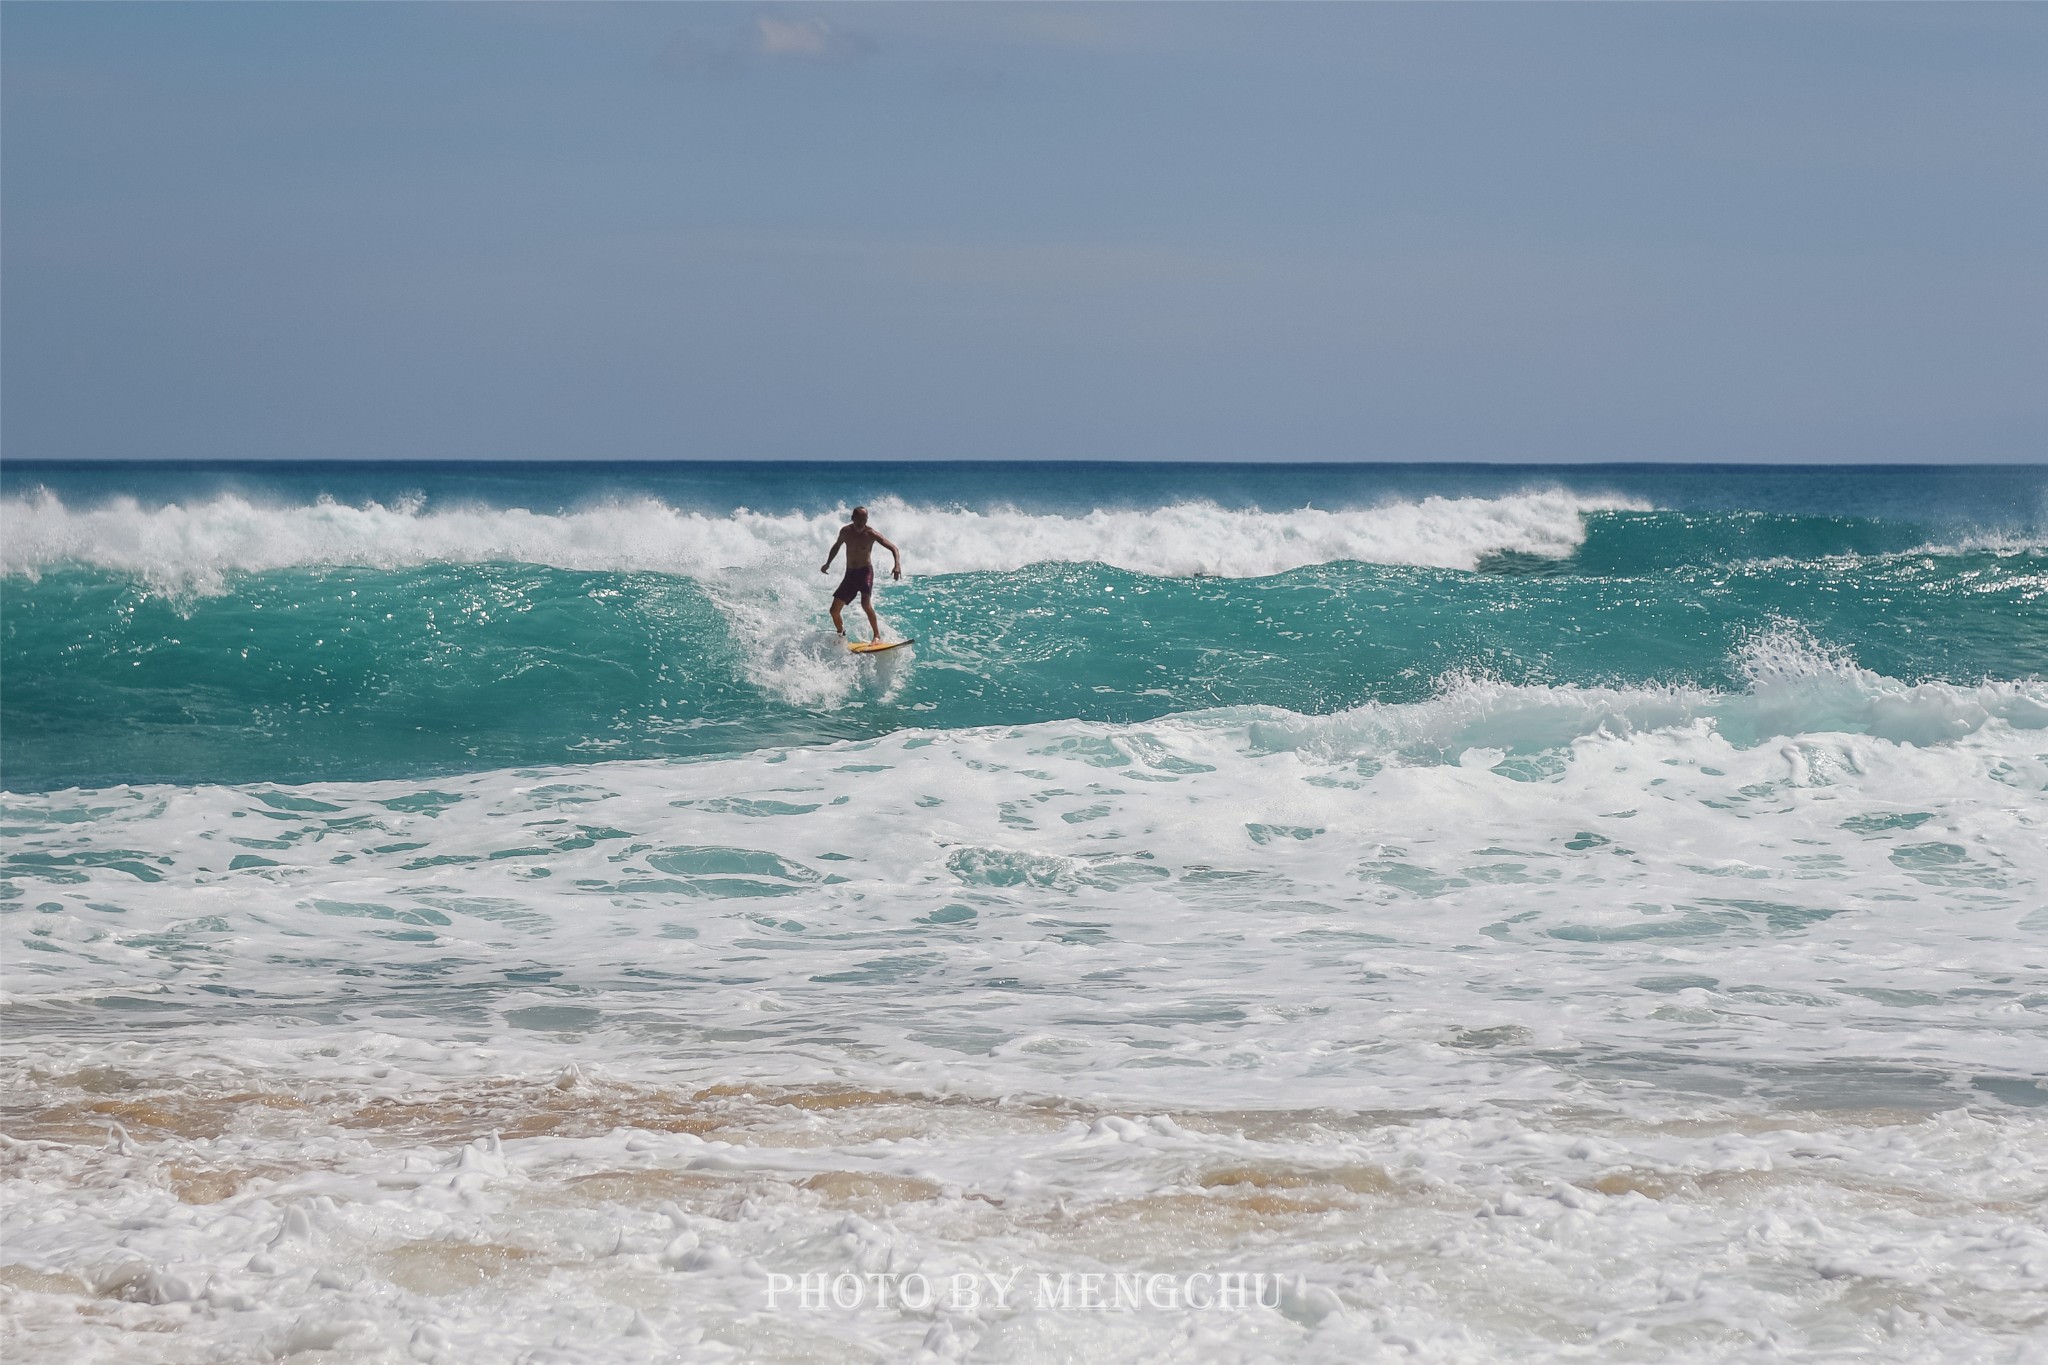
[(823, 462)]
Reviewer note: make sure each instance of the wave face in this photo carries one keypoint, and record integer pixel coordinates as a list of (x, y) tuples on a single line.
[(228, 638)]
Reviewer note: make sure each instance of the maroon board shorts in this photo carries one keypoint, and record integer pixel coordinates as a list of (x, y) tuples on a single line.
[(857, 583)]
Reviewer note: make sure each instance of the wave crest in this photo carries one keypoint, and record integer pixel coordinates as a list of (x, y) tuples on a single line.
[(194, 548)]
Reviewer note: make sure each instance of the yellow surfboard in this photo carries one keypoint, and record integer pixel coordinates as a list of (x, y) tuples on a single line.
[(878, 646)]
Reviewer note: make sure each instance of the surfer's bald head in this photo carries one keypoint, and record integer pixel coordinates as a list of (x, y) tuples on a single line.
[(860, 516)]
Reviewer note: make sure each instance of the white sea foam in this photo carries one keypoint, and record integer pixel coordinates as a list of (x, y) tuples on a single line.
[(2003, 544), (1502, 1025), (194, 548)]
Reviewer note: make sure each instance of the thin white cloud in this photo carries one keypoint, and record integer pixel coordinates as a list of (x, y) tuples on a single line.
[(808, 39), (727, 51), (793, 37)]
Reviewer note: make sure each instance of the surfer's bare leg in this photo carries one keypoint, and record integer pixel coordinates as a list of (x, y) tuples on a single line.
[(837, 624), (874, 625)]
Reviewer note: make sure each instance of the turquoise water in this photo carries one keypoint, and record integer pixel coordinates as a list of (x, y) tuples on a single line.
[(1526, 911), (161, 623)]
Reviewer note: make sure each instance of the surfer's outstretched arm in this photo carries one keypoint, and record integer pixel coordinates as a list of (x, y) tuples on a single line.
[(890, 546), (833, 553)]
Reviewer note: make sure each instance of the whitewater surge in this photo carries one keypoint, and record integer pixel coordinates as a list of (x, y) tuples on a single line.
[(193, 548), (1639, 1035)]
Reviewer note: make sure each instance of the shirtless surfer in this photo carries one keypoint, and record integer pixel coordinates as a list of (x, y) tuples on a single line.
[(860, 540)]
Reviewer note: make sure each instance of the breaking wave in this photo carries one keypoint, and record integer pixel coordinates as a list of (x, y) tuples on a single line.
[(1794, 687), (193, 548)]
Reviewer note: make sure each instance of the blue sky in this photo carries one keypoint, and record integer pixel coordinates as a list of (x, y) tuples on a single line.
[(1355, 232)]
